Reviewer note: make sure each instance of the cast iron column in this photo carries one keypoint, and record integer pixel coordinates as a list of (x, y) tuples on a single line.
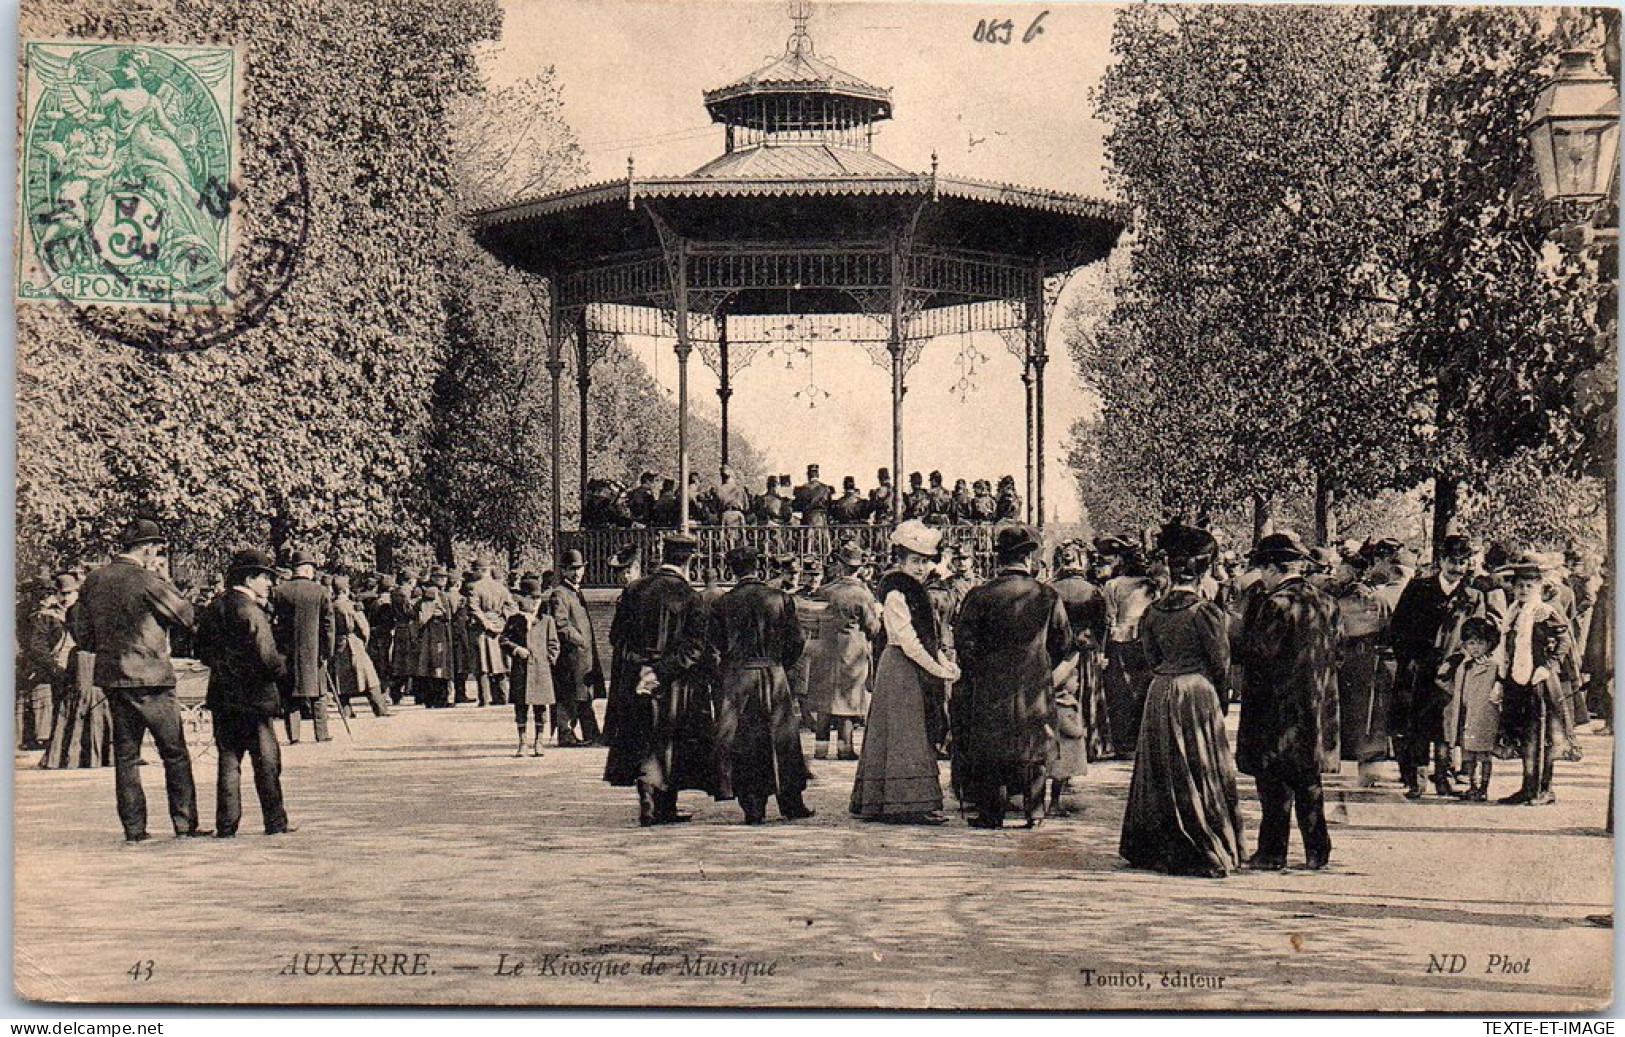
[(680, 297), (725, 388), (583, 383), (1027, 443), (555, 368)]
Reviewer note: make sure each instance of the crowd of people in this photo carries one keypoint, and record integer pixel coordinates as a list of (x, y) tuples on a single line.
[(1120, 648), (653, 503)]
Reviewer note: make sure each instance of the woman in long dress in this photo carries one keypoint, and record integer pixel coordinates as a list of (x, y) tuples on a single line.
[(898, 780), (1184, 813), (1365, 674)]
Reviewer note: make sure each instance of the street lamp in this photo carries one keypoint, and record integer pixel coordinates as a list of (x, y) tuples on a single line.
[(1574, 134), (1574, 137)]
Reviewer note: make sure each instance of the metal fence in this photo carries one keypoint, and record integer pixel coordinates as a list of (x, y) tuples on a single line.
[(598, 546)]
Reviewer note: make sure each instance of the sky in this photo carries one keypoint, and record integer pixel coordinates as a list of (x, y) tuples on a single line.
[(632, 75)]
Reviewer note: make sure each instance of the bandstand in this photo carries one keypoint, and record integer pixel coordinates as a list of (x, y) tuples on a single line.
[(798, 229)]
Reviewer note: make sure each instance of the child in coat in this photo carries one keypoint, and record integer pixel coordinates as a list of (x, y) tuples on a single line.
[(1473, 719)]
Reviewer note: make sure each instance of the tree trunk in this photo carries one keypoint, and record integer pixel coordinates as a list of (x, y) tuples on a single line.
[(444, 547), (1325, 521), (383, 553), (1446, 495), (1261, 518)]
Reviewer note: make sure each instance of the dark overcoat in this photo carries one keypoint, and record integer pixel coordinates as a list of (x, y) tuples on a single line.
[(665, 738), (237, 643), (1010, 635), (1287, 649), (302, 614), (578, 674), (755, 636)]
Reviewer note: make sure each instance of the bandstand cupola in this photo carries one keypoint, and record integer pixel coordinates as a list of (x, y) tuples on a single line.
[(799, 99)]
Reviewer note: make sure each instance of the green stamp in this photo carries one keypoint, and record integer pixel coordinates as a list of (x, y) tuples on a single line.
[(127, 163)]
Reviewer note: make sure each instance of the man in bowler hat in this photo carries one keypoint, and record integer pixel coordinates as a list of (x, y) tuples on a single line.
[(237, 643), (302, 614), (578, 674), (1287, 649), (1010, 634), (125, 613)]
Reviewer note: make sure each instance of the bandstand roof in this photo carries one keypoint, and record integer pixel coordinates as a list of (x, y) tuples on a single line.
[(799, 179), (792, 193)]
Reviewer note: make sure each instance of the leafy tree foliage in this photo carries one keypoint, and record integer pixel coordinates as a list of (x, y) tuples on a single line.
[(308, 427), (1252, 144), (1340, 276)]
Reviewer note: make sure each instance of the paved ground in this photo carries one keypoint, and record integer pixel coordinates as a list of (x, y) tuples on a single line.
[(430, 863)]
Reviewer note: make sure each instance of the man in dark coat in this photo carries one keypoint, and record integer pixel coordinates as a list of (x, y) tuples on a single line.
[(302, 614), (1010, 635), (771, 509), (851, 508), (1287, 648), (640, 500), (578, 675), (1425, 631), (939, 506), (984, 507), (664, 513), (660, 713), (1009, 501), (812, 499), (756, 636), (880, 498), (916, 502), (237, 643), (124, 615)]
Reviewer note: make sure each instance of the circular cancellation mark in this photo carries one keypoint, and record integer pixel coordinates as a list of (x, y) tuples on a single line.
[(259, 270)]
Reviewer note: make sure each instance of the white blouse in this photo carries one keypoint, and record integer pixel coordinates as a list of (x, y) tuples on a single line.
[(900, 632)]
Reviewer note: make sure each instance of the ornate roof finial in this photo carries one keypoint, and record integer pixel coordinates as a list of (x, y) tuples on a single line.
[(800, 42)]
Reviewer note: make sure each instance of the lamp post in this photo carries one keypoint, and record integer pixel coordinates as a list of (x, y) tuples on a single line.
[(1574, 138)]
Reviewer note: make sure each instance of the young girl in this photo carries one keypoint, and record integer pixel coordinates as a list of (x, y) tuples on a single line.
[(1473, 718)]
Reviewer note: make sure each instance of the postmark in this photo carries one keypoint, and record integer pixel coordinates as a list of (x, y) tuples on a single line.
[(129, 155)]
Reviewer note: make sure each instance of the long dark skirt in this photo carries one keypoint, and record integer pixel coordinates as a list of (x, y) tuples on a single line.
[(82, 728), (758, 735), (1365, 683), (1097, 721), (897, 771), (1125, 680), (1184, 813)]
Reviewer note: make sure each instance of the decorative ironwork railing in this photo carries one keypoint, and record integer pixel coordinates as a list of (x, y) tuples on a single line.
[(598, 546)]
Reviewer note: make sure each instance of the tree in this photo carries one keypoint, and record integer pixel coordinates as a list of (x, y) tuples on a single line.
[(1501, 323), (307, 427), (486, 477), (1239, 352)]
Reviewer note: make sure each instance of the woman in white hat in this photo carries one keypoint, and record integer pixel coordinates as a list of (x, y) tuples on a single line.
[(898, 779)]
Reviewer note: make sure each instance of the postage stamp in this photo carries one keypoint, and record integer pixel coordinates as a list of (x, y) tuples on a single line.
[(128, 154)]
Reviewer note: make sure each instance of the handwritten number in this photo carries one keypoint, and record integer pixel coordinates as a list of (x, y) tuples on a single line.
[(141, 971), (1003, 31), (1036, 28)]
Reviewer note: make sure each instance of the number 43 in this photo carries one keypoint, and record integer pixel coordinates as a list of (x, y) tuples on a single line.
[(141, 971)]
